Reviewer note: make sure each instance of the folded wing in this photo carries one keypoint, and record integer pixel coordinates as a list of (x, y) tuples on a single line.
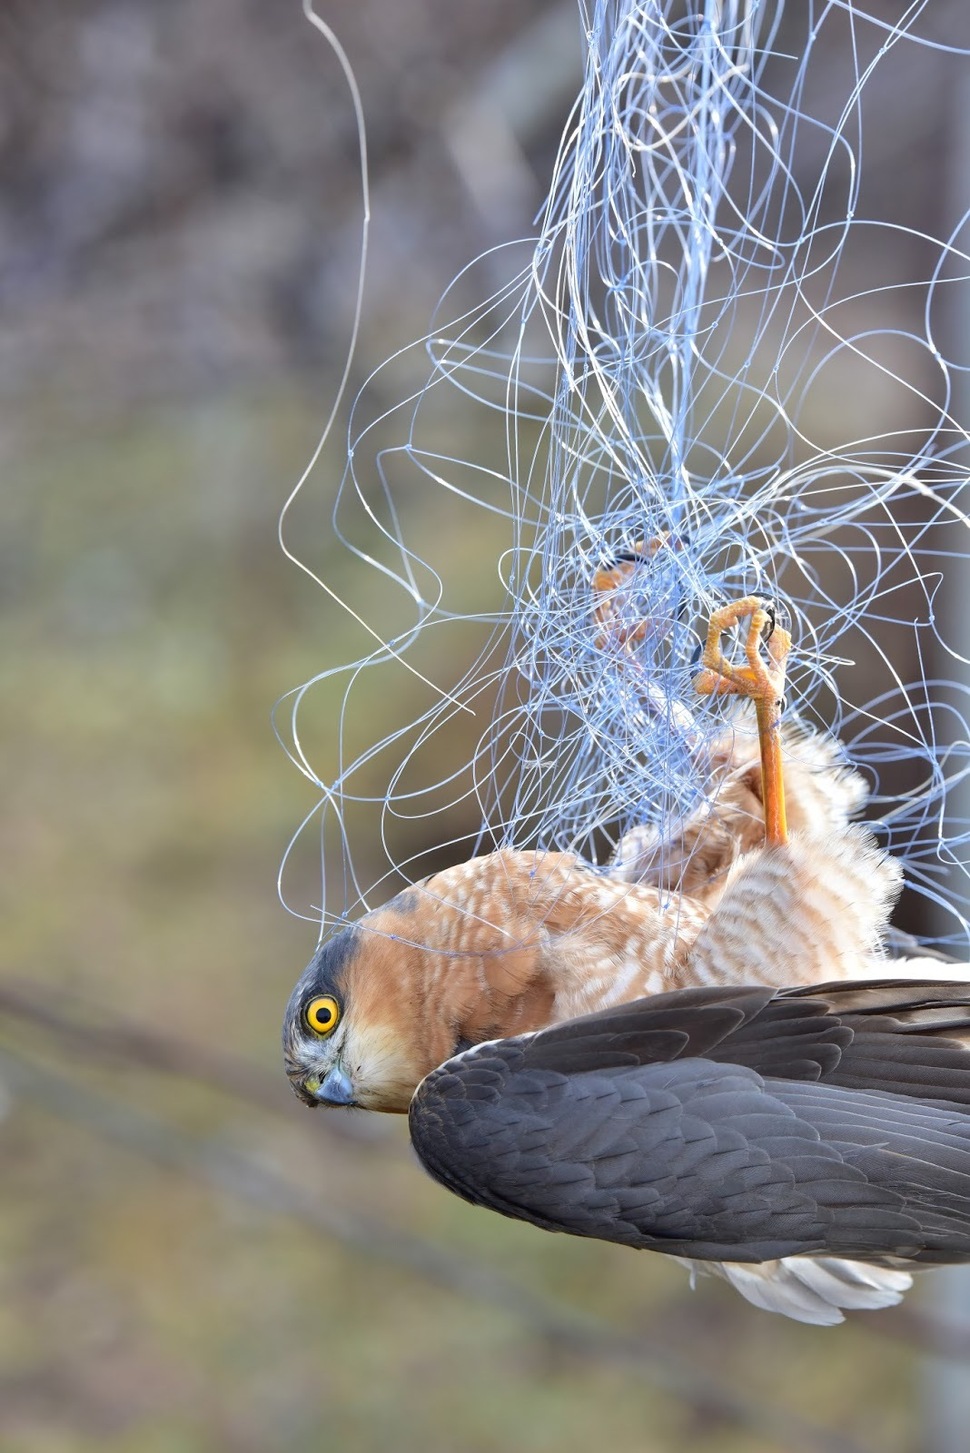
[(733, 1126)]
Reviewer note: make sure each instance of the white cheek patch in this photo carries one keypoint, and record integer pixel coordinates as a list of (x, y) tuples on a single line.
[(380, 1070), (371, 1051)]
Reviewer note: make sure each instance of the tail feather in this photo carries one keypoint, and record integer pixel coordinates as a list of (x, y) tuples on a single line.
[(815, 1289)]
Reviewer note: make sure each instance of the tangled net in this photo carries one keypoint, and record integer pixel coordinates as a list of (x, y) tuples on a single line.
[(666, 369)]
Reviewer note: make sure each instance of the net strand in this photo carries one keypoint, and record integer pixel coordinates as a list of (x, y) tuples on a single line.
[(659, 367)]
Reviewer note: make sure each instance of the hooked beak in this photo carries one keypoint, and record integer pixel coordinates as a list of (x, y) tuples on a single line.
[(334, 1089)]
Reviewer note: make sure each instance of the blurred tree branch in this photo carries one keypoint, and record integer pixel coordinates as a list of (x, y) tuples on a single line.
[(124, 1043), (242, 1174)]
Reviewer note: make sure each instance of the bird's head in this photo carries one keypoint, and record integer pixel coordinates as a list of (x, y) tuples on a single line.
[(386, 1001)]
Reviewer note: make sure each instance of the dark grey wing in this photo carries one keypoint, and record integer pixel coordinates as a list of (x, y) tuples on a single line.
[(615, 1127), (908, 1038), (903, 1036)]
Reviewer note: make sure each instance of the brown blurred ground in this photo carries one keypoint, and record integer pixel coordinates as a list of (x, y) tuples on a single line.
[(177, 249)]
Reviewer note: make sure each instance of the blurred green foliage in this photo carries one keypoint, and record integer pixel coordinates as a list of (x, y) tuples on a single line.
[(149, 624)]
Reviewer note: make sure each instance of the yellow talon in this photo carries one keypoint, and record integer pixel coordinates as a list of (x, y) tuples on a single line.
[(764, 682)]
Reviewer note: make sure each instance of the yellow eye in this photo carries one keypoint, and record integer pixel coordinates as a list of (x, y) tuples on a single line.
[(322, 1014)]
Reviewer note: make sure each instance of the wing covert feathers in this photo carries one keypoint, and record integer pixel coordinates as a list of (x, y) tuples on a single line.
[(787, 1136)]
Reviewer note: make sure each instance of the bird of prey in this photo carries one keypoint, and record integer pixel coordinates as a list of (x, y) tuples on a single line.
[(719, 1049)]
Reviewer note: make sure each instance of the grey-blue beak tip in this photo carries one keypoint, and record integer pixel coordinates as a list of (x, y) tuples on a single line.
[(335, 1089)]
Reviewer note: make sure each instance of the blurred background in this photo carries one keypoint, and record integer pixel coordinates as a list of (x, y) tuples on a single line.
[(189, 1260)]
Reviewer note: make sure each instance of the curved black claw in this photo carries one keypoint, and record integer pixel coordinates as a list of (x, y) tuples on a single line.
[(768, 629), (626, 557)]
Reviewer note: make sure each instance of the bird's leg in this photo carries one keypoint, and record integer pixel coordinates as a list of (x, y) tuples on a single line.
[(621, 635), (762, 680), (606, 582), (643, 849)]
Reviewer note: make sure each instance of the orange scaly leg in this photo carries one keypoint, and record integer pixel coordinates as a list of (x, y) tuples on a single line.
[(607, 583), (764, 682), (622, 630)]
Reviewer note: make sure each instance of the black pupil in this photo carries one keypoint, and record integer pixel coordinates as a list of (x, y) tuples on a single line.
[(323, 1016)]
